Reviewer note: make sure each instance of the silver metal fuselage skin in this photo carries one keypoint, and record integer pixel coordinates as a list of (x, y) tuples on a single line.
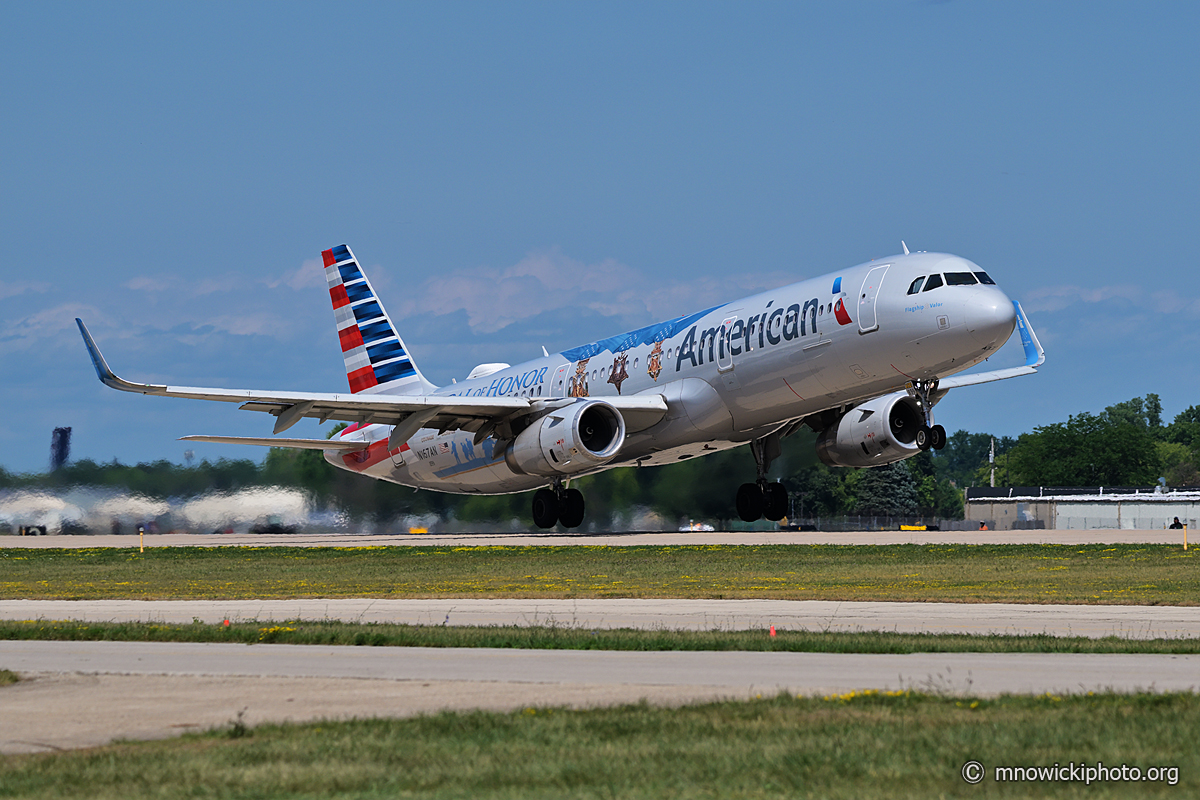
[(789, 353)]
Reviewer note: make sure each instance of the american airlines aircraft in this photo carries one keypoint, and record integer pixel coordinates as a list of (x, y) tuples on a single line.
[(861, 356)]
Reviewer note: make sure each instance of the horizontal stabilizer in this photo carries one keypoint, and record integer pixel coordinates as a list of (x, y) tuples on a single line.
[(295, 444)]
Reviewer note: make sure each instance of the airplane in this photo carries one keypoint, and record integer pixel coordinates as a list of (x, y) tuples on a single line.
[(860, 355)]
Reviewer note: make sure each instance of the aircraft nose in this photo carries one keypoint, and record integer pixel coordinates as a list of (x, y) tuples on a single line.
[(991, 318)]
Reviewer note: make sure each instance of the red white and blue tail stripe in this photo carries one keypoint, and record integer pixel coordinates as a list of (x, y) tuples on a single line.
[(377, 361)]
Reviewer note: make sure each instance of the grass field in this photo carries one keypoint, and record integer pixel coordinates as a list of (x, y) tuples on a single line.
[(860, 745), (568, 638), (1125, 574)]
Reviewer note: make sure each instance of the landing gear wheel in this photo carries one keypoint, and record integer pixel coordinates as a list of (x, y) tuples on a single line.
[(545, 508), (749, 502), (570, 513), (924, 437), (776, 501), (938, 438)]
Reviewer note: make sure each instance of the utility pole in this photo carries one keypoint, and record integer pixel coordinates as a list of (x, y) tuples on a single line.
[(991, 459)]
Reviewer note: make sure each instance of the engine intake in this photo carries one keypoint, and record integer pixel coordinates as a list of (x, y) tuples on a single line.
[(568, 440), (878, 432)]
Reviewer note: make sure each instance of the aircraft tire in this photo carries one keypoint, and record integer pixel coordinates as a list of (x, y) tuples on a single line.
[(924, 434), (776, 502), (572, 507), (938, 440), (749, 502), (545, 508)]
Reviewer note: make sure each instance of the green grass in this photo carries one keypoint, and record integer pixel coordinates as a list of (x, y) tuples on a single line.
[(1126, 574), (568, 638), (860, 745), (8, 677)]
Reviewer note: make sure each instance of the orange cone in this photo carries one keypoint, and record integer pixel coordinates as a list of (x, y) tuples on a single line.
[(772, 630)]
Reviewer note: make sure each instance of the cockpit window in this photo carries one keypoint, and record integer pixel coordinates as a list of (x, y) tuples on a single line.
[(985, 279), (915, 286), (960, 279), (934, 282)]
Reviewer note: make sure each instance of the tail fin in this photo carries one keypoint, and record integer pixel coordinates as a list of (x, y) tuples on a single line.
[(377, 361)]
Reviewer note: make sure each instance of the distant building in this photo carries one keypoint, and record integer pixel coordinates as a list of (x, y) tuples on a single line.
[(1082, 508)]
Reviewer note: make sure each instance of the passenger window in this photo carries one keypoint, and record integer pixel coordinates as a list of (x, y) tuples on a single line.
[(915, 286), (960, 279), (985, 279), (934, 282)]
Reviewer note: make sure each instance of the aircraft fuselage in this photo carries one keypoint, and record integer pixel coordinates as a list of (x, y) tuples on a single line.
[(730, 374)]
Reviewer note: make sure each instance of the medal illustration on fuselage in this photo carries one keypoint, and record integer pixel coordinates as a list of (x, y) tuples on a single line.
[(654, 361), (619, 374), (579, 382)]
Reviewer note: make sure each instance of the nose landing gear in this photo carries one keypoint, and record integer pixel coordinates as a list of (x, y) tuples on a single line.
[(928, 436), (558, 505)]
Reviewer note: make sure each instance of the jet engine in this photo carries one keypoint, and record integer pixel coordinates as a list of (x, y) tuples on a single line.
[(878, 432), (568, 440)]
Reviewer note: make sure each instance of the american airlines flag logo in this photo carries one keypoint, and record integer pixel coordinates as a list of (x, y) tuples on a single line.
[(373, 352)]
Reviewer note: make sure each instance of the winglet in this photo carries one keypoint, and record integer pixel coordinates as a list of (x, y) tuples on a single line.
[(102, 371), (106, 375), (1035, 356)]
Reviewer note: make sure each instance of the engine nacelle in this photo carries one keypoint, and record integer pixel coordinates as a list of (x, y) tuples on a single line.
[(878, 432), (568, 440)]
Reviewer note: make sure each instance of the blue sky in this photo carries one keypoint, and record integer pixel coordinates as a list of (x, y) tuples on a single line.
[(515, 175)]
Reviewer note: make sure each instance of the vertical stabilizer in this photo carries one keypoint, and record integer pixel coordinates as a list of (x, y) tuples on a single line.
[(377, 362)]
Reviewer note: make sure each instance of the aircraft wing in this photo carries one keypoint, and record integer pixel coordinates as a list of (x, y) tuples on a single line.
[(295, 444), (408, 413), (1035, 356)]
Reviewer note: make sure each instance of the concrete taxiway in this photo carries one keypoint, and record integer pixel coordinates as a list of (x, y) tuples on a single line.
[(146, 690), (1135, 622)]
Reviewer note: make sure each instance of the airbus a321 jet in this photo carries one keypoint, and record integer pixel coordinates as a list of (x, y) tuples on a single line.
[(860, 356)]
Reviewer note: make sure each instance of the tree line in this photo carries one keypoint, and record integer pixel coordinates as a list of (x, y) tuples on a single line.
[(1125, 445)]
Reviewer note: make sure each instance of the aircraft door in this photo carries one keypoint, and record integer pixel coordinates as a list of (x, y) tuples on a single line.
[(558, 384), (867, 298), (724, 353)]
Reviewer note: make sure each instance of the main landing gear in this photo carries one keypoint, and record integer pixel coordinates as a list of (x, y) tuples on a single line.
[(558, 505), (928, 436), (763, 499)]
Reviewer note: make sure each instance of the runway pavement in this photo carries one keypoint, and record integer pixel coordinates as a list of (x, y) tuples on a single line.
[(1135, 622), (78, 694), (86, 693), (610, 539)]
